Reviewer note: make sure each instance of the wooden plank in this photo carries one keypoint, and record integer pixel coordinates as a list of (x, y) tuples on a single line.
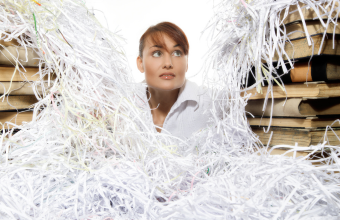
[(17, 102), (26, 56), (15, 118), (284, 136), (298, 90), (328, 90), (304, 137), (317, 137), (296, 30), (290, 109), (19, 88), (12, 42), (293, 90), (32, 74), (294, 122), (320, 106), (308, 13), (299, 48)]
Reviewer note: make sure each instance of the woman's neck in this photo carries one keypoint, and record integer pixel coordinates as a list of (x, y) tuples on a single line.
[(161, 102)]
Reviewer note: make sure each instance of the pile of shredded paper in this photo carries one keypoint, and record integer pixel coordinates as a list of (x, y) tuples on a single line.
[(91, 151)]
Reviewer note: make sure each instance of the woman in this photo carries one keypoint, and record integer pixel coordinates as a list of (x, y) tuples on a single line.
[(176, 104)]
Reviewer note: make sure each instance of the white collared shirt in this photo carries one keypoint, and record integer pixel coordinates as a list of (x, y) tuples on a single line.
[(189, 114)]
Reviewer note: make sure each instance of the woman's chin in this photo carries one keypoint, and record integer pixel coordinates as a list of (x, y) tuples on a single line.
[(167, 86)]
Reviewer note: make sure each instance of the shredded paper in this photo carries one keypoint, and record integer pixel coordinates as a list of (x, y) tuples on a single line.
[(91, 151)]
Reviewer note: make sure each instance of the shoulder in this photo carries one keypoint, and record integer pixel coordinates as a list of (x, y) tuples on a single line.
[(208, 100), (202, 93)]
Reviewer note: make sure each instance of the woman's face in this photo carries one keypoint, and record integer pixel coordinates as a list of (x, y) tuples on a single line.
[(164, 68)]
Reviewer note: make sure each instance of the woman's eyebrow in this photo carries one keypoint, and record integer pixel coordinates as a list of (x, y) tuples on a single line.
[(156, 46)]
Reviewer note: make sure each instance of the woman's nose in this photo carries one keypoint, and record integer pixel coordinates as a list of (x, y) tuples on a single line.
[(167, 62)]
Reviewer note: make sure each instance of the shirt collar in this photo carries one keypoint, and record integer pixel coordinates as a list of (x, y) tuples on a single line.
[(188, 92)]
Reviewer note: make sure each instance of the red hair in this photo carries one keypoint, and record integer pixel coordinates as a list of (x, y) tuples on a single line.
[(156, 35)]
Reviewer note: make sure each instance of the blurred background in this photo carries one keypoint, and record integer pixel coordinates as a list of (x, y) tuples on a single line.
[(131, 18)]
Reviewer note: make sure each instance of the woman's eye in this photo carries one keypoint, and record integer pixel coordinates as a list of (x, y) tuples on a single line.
[(156, 53), (177, 53)]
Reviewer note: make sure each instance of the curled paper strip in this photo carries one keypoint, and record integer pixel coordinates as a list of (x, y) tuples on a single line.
[(91, 151)]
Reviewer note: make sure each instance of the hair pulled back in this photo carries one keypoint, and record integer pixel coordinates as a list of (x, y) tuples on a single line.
[(156, 36)]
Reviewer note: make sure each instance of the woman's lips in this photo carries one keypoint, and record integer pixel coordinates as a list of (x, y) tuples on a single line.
[(167, 76)]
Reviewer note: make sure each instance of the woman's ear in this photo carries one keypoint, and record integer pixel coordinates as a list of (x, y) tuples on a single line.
[(140, 64)]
